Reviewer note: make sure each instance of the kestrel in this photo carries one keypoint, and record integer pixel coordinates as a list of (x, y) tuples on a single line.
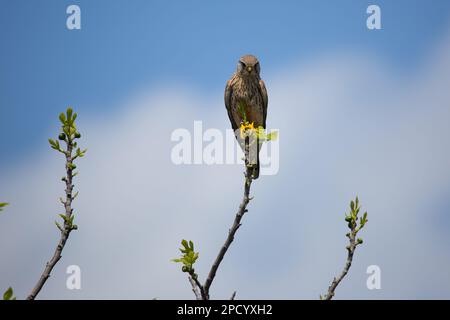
[(246, 99)]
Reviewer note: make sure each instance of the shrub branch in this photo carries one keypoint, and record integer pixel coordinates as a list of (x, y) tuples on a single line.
[(68, 135), (354, 227), (234, 228), (190, 256)]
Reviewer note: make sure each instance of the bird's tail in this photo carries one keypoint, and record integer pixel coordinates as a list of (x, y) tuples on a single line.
[(251, 149), (256, 168), (255, 164)]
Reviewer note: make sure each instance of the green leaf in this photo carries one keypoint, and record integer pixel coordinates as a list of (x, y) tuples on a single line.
[(2, 205), (55, 144), (71, 166), (272, 136), (363, 220), (80, 153), (65, 218), (69, 113), (9, 294), (66, 130), (72, 130), (189, 256), (62, 118), (59, 226)]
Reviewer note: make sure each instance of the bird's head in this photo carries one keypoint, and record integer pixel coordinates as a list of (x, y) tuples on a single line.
[(248, 65)]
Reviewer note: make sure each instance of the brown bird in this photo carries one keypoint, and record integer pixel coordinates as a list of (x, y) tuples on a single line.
[(246, 100)]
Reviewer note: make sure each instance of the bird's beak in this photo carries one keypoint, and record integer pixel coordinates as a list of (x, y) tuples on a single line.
[(249, 69)]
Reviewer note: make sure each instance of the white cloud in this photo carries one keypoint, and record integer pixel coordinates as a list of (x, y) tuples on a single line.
[(347, 125)]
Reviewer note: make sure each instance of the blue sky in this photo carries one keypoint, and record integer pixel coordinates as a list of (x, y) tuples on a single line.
[(128, 44), (371, 112)]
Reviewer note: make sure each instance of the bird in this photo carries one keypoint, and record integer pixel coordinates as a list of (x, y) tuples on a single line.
[(246, 100)]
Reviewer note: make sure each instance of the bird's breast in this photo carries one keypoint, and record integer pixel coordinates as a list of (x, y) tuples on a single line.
[(246, 94)]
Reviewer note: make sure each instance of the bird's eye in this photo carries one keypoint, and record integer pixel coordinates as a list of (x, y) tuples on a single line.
[(241, 66), (257, 67)]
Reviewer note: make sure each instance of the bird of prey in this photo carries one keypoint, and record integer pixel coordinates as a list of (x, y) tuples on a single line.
[(246, 100)]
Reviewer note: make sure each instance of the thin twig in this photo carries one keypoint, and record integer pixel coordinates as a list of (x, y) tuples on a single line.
[(355, 226), (64, 233), (233, 295), (69, 135), (195, 289), (236, 224), (202, 289), (350, 251)]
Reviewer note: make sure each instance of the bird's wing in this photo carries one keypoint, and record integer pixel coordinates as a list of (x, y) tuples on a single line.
[(263, 91), (227, 98)]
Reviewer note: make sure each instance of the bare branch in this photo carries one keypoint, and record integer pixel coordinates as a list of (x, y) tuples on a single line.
[(195, 289), (348, 264), (69, 135), (233, 295), (202, 289), (189, 256), (236, 224), (354, 227)]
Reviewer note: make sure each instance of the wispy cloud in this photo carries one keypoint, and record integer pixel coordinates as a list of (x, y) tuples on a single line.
[(348, 125)]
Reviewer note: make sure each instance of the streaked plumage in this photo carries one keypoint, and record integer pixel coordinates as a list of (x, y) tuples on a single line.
[(246, 88)]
